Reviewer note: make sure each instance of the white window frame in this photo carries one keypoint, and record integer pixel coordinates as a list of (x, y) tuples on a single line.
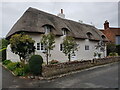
[(47, 29)]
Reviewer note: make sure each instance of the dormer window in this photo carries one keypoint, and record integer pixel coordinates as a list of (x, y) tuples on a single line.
[(47, 29), (65, 31), (89, 35), (103, 37)]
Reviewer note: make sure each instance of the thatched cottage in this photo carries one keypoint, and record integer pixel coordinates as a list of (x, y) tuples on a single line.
[(35, 23)]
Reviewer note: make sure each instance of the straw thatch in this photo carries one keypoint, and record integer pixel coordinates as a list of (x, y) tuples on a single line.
[(33, 20)]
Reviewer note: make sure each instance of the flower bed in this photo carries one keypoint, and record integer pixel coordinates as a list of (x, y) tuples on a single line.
[(16, 68)]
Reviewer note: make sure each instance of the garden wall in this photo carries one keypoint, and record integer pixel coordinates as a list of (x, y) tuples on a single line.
[(56, 69)]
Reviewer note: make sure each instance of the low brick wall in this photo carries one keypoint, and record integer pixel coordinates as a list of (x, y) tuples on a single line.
[(56, 69)]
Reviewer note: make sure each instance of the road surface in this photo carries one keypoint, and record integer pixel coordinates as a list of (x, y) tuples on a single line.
[(99, 77)]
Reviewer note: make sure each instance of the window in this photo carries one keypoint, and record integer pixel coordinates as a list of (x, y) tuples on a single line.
[(38, 46), (61, 47), (117, 41), (42, 46), (89, 35), (65, 31), (47, 29), (86, 47), (103, 37)]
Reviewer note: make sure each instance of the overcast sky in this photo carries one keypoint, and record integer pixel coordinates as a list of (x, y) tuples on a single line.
[(95, 12)]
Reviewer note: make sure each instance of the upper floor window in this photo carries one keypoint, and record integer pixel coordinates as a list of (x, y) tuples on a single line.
[(103, 37), (47, 29), (117, 41), (65, 31), (89, 35)]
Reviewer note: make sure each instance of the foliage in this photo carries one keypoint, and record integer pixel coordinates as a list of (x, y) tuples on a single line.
[(118, 49), (19, 71), (54, 62), (70, 46), (12, 66), (48, 41), (111, 48), (3, 43), (113, 54), (35, 64), (18, 68), (26, 68), (6, 62), (22, 45)]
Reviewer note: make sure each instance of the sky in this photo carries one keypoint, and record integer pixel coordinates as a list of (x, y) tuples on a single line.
[(95, 12)]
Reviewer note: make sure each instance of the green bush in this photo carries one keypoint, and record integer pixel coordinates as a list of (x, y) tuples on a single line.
[(19, 71), (53, 62), (13, 65), (26, 68), (35, 64), (3, 55), (5, 62), (113, 54)]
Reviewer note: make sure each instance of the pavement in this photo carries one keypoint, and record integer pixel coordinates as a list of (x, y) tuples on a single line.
[(100, 77)]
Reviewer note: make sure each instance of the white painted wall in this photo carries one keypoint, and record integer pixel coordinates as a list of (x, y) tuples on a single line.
[(56, 54)]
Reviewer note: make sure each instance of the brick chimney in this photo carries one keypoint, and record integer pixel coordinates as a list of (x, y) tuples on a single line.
[(106, 24), (61, 15)]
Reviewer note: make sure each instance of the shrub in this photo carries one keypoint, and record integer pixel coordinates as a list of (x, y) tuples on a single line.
[(113, 54), (3, 55), (5, 62), (35, 64), (26, 68), (19, 71), (118, 49), (13, 65), (53, 62)]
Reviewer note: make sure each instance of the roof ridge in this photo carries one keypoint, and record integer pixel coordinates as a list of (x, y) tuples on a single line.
[(30, 8)]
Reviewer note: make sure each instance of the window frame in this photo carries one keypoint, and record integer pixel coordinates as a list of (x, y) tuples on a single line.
[(87, 47)]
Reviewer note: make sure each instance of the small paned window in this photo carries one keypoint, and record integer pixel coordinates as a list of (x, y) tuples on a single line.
[(61, 47), (86, 47), (38, 46)]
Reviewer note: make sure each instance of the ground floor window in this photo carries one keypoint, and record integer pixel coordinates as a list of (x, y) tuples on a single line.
[(40, 46), (86, 47), (61, 47)]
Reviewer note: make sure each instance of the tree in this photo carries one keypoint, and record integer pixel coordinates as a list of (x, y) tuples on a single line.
[(111, 48), (118, 49), (22, 45), (48, 41), (69, 46), (3, 43)]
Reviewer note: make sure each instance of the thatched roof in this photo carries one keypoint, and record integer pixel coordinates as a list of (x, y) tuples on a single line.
[(33, 20)]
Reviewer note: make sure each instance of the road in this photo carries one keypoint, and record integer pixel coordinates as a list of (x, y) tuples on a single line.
[(99, 77)]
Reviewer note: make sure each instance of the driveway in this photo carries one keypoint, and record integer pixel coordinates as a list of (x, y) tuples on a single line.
[(99, 77)]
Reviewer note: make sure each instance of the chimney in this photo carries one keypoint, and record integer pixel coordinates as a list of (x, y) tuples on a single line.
[(61, 15), (106, 24), (62, 11)]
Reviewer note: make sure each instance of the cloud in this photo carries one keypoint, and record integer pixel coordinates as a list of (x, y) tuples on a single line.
[(95, 12)]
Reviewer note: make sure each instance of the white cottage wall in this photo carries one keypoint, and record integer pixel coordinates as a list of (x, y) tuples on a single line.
[(56, 54)]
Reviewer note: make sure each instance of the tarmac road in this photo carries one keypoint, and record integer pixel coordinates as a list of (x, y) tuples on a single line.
[(99, 77)]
